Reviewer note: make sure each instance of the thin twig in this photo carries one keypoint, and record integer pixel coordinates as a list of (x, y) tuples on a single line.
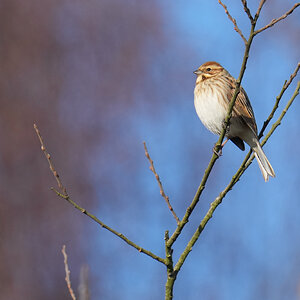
[(68, 281), (247, 10), (48, 157), (160, 184), (262, 2), (274, 21), (278, 122), (233, 181), (236, 28), (65, 196), (118, 234), (292, 76), (278, 98)]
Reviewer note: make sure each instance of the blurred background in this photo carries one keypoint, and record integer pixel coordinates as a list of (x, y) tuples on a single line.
[(99, 78)]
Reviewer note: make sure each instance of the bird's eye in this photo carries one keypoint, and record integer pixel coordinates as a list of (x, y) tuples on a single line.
[(208, 69)]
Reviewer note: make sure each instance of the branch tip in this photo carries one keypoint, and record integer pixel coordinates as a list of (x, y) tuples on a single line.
[(235, 26), (161, 190), (247, 10)]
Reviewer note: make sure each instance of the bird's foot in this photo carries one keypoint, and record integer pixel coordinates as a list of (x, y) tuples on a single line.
[(217, 149)]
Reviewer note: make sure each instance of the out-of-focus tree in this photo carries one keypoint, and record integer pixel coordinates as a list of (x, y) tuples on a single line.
[(63, 65)]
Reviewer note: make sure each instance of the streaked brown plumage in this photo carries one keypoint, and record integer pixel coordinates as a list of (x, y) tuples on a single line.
[(213, 92)]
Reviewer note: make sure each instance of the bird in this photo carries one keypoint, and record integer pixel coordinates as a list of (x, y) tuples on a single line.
[(213, 91)]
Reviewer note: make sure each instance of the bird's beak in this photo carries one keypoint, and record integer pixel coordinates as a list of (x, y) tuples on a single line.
[(197, 72)]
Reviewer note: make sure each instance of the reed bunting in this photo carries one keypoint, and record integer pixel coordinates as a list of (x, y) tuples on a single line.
[(213, 92)]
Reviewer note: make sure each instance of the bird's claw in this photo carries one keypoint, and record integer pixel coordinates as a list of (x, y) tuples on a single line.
[(217, 150)]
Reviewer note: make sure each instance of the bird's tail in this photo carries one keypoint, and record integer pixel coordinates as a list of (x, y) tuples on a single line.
[(263, 163)]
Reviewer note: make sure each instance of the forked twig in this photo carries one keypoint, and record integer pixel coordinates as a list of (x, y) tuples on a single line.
[(67, 270), (236, 28), (65, 196), (160, 184), (274, 21)]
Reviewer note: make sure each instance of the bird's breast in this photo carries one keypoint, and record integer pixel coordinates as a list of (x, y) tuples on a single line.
[(210, 107)]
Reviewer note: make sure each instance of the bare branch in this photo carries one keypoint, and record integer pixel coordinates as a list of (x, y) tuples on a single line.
[(65, 196), (274, 21), (68, 281), (247, 10), (236, 28), (160, 184)]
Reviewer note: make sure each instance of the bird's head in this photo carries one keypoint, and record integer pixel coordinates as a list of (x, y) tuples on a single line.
[(208, 70)]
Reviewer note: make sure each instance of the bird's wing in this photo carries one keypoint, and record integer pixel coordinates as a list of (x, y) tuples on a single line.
[(242, 107)]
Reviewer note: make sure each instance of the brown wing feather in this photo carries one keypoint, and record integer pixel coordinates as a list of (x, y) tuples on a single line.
[(242, 107)]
